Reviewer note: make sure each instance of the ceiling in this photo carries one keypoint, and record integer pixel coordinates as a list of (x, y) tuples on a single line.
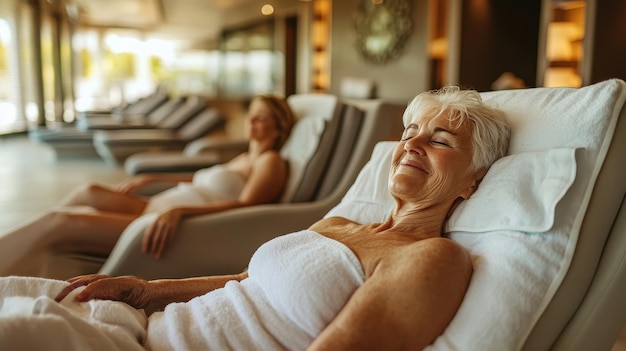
[(184, 19)]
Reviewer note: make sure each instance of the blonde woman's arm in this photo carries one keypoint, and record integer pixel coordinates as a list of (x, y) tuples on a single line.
[(264, 185)]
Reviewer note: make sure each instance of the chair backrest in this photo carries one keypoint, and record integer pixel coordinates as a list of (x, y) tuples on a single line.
[(200, 124), (165, 110), (146, 105), (310, 142), (325, 137), (192, 105), (547, 225)]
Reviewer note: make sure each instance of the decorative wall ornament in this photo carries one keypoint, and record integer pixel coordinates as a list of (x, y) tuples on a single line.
[(382, 27)]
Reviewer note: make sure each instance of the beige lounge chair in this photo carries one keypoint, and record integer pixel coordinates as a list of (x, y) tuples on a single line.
[(78, 141), (114, 146)]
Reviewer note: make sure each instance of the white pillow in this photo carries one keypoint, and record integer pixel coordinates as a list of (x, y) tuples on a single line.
[(299, 148), (520, 192)]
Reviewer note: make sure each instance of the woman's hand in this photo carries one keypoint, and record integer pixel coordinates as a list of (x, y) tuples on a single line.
[(131, 290), (159, 234), (130, 185)]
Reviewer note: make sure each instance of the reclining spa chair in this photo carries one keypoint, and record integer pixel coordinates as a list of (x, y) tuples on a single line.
[(198, 154), (149, 120), (546, 227), (77, 140), (114, 146), (136, 109), (329, 144)]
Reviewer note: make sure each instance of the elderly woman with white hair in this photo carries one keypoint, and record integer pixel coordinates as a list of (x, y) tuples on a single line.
[(340, 285)]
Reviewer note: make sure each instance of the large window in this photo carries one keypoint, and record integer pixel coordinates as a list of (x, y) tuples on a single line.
[(112, 66), (52, 65), (10, 117), (249, 62)]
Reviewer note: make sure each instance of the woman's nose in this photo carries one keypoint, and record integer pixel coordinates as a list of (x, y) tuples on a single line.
[(416, 144)]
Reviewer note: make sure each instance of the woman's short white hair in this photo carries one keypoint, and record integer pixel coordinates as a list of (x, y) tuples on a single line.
[(490, 133)]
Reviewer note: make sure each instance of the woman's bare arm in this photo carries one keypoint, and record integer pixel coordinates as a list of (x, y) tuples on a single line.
[(132, 184), (141, 293), (406, 303), (267, 180), (264, 185)]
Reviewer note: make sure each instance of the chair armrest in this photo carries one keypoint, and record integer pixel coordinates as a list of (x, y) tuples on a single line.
[(221, 146), (155, 187), (220, 243), (169, 162)]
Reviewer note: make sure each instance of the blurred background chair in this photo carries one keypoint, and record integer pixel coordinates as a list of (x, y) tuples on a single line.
[(129, 110), (73, 140), (149, 120), (114, 146)]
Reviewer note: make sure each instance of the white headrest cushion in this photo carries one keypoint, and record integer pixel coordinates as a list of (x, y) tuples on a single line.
[(520, 192)]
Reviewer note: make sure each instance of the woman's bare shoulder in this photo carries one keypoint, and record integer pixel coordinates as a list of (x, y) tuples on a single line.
[(329, 222), (269, 157), (439, 252)]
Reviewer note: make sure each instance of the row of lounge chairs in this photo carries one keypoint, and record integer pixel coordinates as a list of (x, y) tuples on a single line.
[(155, 123)]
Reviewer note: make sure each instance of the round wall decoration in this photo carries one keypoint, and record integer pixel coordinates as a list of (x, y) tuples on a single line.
[(382, 28)]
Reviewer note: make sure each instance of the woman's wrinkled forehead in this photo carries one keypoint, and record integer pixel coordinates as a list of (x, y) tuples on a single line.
[(442, 117), (419, 116)]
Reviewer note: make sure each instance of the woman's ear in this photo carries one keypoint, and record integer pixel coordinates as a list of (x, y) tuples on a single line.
[(478, 177)]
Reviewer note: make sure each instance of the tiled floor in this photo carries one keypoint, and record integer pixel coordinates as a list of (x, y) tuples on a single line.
[(32, 179)]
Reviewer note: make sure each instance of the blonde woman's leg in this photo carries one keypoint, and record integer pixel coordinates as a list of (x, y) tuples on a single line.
[(104, 199), (24, 250)]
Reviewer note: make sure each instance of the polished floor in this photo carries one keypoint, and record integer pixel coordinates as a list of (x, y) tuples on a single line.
[(32, 179)]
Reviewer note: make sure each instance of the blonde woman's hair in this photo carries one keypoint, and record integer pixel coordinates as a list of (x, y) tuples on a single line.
[(283, 116), (490, 133)]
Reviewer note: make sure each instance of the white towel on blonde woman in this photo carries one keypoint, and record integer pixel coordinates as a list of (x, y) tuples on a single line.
[(30, 319)]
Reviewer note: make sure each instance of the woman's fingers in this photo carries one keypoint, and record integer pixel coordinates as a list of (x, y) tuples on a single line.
[(164, 229), (77, 282), (148, 237), (128, 289), (158, 235)]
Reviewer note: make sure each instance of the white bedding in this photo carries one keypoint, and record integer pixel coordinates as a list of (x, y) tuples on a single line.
[(30, 319)]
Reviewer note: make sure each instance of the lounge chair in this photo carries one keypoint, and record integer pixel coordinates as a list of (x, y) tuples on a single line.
[(114, 146), (72, 141)]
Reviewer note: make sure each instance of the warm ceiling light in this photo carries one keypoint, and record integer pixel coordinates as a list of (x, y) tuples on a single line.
[(267, 9)]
